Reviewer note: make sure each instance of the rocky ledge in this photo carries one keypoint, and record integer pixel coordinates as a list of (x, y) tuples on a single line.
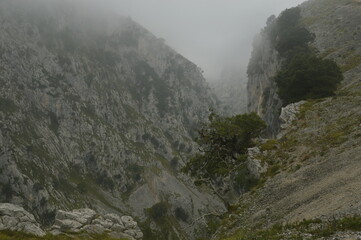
[(16, 218), (84, 220)]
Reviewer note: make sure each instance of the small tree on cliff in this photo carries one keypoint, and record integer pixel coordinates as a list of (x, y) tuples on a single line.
[(223, 144)]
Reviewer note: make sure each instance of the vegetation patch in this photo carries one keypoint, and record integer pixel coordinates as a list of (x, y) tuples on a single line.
[(307, 229), (11, 235), (351, 63), (303, 75), (223, 144)]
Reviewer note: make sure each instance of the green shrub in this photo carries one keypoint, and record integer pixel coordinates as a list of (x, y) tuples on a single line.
[(306, 76), (303, 75), (158, 211), (222, 141), (181, 214)]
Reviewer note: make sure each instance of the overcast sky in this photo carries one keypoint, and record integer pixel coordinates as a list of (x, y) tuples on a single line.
[(211, 33)]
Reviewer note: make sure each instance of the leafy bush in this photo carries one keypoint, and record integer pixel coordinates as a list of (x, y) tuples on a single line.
[(158, 211), (222, 141), (181, 214), (307, 77)]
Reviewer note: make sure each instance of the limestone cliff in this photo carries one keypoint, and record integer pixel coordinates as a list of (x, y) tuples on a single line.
[(262, 90), (335, 25), (97, 112)]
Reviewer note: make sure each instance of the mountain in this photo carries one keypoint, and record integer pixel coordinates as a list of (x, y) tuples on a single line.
[(95, 111), (311, 189), (231, 90)]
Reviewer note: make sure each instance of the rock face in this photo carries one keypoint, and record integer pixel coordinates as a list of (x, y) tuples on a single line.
[(16, 218), (96, 112), (254, 165), (262, 90), (86, 220), (289, 114)]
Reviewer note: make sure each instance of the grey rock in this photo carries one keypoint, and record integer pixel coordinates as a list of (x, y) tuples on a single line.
[(118, 227), (29, 227), (254, 165), (16, 218), (94, 228), (289, 114), (106, 223), (82, 216), (110, 223), (128, 222), (67, 225), (114, 218), (262, 91)]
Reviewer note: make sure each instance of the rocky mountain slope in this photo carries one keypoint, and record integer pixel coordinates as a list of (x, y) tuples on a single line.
[(314, 163), (97, 112)]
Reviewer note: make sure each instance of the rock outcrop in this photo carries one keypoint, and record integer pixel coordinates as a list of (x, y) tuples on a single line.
[(16, 218), (261, 88), (289, 114), (255, 165), (88, 221), (85, 220)]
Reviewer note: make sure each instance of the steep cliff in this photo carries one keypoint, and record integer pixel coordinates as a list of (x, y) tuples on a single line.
[(98, 112), (328, 21), (262, 90), (311, 189)]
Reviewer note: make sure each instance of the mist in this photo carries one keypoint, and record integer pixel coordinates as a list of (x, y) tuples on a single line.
[(214, 34)]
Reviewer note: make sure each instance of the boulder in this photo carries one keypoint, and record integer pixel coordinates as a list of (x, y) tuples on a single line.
[(94, 228), (67, 225), (16, 218), (86, 220), (107, 223), (114, 218), (289, 114), (254, 165), (128, 222), (83, 216)]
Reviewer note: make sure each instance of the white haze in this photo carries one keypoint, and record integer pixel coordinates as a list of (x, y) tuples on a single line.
[(214, 34), (211, 33)]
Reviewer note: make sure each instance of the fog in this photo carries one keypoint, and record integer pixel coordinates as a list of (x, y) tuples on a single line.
[(212, 33)]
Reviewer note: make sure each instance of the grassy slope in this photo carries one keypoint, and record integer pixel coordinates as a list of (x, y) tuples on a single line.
[(9, 235), (315, 168)]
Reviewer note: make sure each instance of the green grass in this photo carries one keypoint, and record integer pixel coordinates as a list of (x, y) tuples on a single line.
[(11, 235), (351, 63), (269, 145), (296, 231)]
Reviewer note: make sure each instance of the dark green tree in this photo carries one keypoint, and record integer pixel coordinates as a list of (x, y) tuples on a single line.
[(307, 76), (303, 75), (223, 144)]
